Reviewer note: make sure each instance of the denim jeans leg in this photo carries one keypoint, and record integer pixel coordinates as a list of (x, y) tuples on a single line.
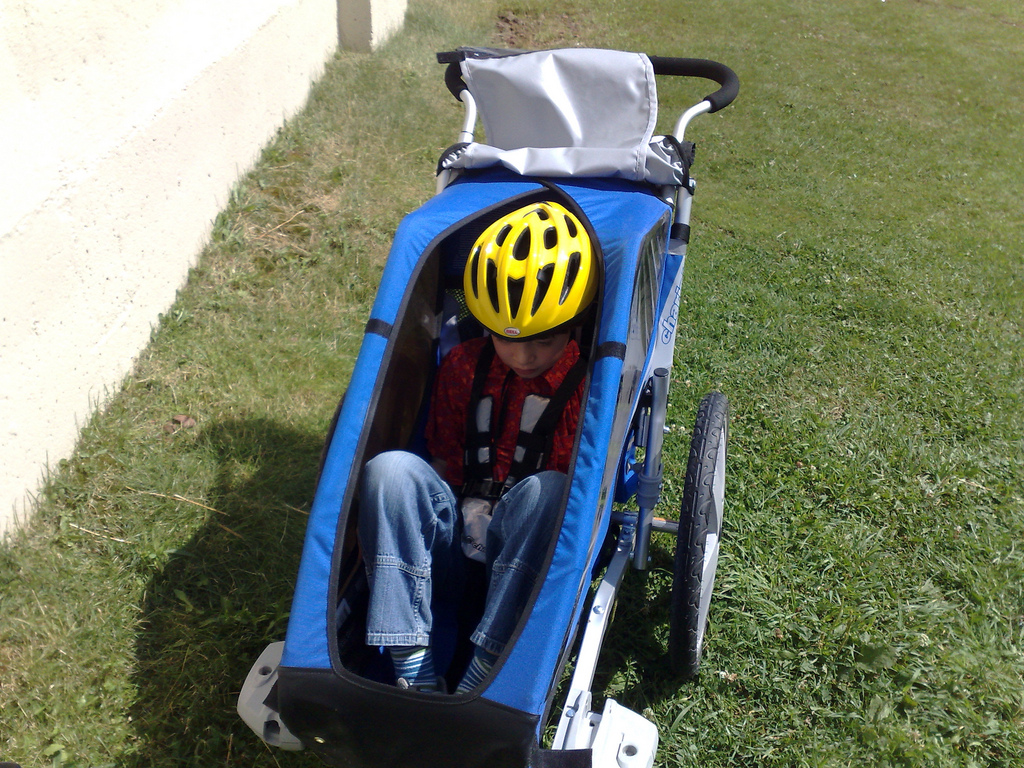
[(408, 530), (517, 542)]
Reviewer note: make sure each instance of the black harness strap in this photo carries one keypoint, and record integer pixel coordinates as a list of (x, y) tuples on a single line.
[(533, 445), (478, 455)]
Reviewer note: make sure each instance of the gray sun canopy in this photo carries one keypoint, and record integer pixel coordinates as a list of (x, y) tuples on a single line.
[(570, 112)]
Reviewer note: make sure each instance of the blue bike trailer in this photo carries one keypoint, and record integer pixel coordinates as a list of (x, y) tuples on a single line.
[(323, 688)]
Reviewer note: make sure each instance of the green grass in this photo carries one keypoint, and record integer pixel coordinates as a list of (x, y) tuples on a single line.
[(854, 287)]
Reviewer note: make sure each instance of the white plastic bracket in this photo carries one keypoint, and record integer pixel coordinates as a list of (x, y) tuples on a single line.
[(624, 739), (252, 707)]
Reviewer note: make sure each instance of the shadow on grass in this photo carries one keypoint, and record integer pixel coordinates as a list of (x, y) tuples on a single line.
[(221, 599), (226, 594)]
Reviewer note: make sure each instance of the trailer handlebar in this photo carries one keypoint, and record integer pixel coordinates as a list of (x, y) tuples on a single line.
[(663, 65), (710, 70)]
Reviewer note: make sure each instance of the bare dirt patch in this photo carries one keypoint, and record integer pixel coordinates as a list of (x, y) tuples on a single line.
[(532, 30)]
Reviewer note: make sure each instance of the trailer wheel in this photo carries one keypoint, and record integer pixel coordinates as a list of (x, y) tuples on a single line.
[(697, 540)]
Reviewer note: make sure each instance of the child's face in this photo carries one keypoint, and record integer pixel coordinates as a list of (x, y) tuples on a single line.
[(532, 358)]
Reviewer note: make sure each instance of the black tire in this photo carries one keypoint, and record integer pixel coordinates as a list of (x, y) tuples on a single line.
[(697, 540)]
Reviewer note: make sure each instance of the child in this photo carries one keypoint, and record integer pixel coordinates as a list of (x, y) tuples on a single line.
[(500, 433)]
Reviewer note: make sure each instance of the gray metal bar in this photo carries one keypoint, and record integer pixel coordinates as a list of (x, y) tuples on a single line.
[(649, 481)]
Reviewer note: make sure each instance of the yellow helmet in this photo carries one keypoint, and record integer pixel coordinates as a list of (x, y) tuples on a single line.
[(531, 272)]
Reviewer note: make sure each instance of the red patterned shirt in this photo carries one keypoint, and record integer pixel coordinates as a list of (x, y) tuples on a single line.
[(446, 428)]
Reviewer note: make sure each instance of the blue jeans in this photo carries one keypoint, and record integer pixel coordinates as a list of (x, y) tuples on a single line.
[(409, 529)]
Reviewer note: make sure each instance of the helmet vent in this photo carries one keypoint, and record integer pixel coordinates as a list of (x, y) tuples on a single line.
[(530, 271), (474, 265), (544, 275), (521, 250), (492, 285), (571, 270), (515, 294)]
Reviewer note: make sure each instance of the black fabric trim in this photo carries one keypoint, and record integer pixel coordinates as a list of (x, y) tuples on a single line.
[(379, 327), (348, 721), (562, 758), (450, 155), (685, 152), (612, 349), (553, 412), (477, 52), (681, 232)]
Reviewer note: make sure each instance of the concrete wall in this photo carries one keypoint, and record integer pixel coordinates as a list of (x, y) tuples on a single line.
[(364, 24), (124, 126)]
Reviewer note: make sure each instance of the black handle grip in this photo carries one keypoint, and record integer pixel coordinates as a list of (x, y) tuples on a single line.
[(453, 79), (710, 70)]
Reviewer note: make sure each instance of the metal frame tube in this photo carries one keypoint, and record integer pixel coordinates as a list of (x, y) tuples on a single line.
[(649, 482), (688, 115), (576, 722), (469, 121)]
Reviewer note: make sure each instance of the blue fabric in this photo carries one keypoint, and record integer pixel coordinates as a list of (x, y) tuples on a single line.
[(622, 218), (622, 213), (306, 642), (311, 615)]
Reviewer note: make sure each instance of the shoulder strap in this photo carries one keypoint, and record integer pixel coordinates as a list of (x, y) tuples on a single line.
[(478, 455), (533, 446)]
